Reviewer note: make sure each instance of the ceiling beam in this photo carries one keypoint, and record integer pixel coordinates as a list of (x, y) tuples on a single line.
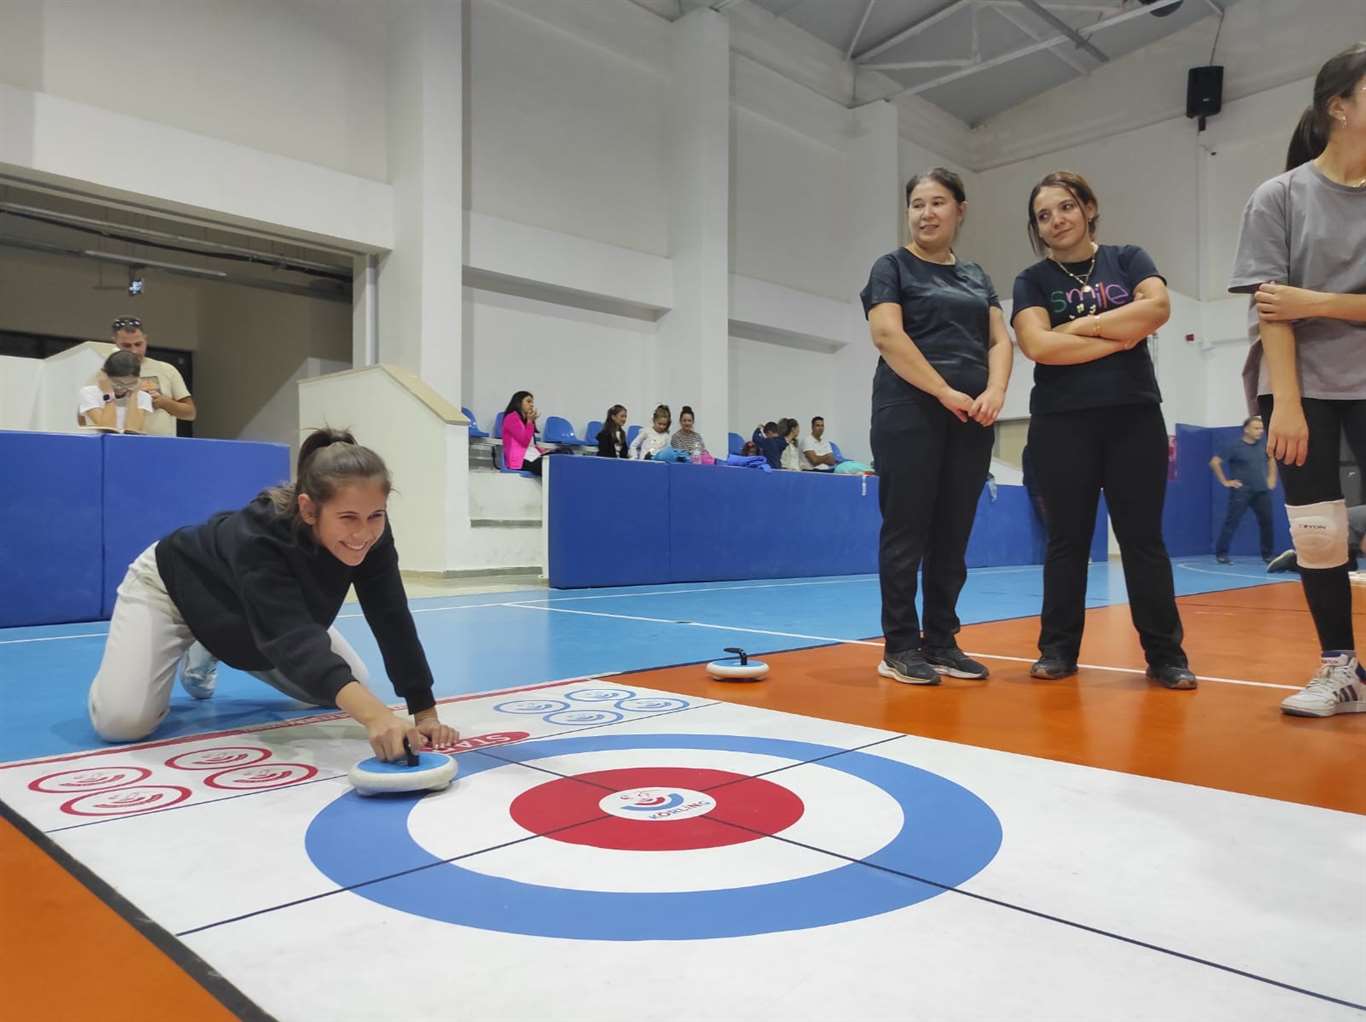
[(849, 51), (914, 29), (1043, 44), (1082, 42), (1008, 12)]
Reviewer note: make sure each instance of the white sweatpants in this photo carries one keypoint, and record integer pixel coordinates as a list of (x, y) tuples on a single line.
[(147, 639)]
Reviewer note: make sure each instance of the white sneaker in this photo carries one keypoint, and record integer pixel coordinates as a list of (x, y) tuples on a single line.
[(199, 672), (1337, 688)]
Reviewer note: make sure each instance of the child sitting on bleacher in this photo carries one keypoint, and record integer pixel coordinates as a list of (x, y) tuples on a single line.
[(612, 437), (649, 442), (769, 442)]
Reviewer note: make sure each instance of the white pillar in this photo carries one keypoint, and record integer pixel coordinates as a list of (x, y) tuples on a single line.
[(364, 311), (420, 280), (876, 213), (693, 365)]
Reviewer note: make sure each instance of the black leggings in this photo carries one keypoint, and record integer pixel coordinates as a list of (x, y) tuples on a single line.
[(931, 469), (1327, 591), (1123, 451)]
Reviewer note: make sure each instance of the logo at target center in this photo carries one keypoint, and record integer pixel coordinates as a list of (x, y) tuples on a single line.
[(657, 805)]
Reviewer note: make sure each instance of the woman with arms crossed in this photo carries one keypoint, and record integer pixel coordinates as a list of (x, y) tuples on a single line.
[(1084, 314)]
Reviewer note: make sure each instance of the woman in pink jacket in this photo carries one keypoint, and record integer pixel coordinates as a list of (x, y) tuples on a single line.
[(519, 434)]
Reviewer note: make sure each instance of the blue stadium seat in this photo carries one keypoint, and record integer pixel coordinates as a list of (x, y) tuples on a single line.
[(591, 431), (498, 425), (559, 431), (498, 464), (475, 432), (737, 443), (631, 432), (835, 448)]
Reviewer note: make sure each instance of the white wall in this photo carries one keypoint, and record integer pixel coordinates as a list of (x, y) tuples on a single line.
[(564, 134), (20, 380), (769, 382), (277, 421), (303, 80), (577, 363)]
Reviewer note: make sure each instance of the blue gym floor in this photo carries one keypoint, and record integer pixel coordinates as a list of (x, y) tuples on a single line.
[(479, 643)]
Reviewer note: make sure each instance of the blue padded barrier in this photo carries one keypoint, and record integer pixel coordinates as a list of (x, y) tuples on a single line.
[(587, 549), (1185, 514), (51, 541), (1006, 531), (154, 485), (736, 523), (1246, 540)]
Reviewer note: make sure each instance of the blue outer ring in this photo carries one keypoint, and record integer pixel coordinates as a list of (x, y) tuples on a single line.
[(948, 835)]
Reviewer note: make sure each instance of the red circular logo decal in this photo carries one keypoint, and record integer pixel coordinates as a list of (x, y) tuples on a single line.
[(656, 809), (218, 758), (120, 801), (67, 782), (260, 775)]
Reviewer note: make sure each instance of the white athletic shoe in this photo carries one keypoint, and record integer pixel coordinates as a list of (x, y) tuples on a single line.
[(1337, 688), (199, 672)]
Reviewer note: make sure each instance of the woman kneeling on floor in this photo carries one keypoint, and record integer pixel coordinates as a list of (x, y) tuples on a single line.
[(260, 588)]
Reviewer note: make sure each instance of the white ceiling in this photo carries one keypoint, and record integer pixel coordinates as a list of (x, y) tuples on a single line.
[(976, 59)]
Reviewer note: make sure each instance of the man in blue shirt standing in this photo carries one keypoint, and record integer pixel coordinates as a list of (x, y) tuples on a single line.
[(1250, 476)]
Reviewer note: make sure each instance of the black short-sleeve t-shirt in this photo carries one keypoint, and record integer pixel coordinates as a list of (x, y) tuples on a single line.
[(1124, 378), (945, 310)]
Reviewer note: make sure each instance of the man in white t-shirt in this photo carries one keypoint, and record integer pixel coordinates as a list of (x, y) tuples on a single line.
[(115, 402), (162, 381), (816, 450)]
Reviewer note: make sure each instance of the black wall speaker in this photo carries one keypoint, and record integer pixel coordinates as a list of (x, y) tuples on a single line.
[(1204, 90)]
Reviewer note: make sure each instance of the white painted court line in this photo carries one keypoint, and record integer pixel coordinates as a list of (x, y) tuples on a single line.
[(1266, 579), (691, 624), (54, 638), (878, 642)]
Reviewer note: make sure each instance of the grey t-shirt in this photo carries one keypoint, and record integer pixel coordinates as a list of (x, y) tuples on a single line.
[(1302, 229)]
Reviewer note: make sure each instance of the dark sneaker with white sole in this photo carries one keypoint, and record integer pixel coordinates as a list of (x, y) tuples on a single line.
[(908, 667), (1287, 561), (955, 663), (1051, 668), (1174, 676)]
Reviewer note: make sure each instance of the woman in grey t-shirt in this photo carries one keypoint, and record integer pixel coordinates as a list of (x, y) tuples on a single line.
[(1302, 255)]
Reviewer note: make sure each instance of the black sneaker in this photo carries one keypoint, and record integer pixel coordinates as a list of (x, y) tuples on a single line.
[(1223, 558), (954, 662), (1052, 668), (908, 667), (1283, 562), (1173, 676)]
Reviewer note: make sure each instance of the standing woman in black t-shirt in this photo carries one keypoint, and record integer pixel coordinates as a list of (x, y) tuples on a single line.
[(1084, 315), (940, 384), (260, 588)]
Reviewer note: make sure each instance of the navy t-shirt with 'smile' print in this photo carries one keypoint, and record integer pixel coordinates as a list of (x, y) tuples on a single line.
[(1124, 378)]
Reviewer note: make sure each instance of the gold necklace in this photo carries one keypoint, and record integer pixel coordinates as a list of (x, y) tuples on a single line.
[(1087, 290)]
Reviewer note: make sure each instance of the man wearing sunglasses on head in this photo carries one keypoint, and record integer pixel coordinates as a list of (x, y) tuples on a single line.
[(170, 397)]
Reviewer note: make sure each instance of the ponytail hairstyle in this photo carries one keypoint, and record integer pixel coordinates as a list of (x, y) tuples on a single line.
[(1337, 79), (610, 426), (686, 410), (328, 460), (663, 412)]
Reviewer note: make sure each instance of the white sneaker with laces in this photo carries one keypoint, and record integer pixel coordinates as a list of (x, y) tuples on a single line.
[(1337, 688), (199, 672)]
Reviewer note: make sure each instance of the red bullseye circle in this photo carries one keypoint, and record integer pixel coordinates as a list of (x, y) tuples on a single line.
[(66, 782), (120, 801), (570, 809), (219, 757), (260, 775)]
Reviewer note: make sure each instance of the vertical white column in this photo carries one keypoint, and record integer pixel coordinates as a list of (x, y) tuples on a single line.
[(364, 311), (420, 280), (693, 365), (875, 206)]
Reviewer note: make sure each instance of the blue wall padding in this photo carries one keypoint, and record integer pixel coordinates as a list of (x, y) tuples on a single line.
[(50, 540), (696, 523), (1186, 514), (1246, 540), (610, 521), (737, 523), (154, 485)]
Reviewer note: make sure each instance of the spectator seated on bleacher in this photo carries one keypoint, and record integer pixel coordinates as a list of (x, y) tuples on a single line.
[(768, 442), (687, 440), (116, 401), (650, 441), (817, 452), (791, 458), (612, 437), (520, 452)]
